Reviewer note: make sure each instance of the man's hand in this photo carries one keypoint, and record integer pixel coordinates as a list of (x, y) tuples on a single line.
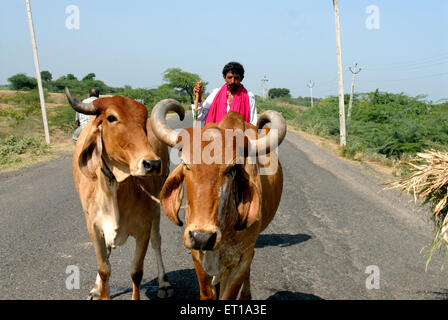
[(198, 90)]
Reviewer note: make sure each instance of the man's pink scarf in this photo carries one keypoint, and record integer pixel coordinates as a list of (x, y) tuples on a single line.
[(218, 108)]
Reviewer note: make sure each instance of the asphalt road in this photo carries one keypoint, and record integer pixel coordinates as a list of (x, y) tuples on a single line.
[(333, 223)]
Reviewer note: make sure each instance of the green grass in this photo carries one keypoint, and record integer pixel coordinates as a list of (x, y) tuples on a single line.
[(288, 112), (63, 118), (393, 125), (21, 127), (13, 146)]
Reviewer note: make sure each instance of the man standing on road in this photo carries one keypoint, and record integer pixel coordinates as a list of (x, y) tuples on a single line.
[(83, 119), (232, 96)]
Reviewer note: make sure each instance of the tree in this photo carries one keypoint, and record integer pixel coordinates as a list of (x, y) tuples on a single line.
[(46, 75), (70, 76), (21, 81), (182, 81), (278, 93), (90, 76)]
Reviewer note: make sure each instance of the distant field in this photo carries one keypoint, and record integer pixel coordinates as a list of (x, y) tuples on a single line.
[(21, 128), (384, 127)]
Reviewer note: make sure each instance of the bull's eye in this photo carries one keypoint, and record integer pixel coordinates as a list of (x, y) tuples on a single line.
[(111, 119)]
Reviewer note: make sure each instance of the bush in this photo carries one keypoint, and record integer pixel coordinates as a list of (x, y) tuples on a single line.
[(62, 117), (13, 146), (287, 112), (384, 123), (278, 92), (21, 81)]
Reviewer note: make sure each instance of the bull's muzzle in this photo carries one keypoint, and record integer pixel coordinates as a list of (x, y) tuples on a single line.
[(202, 240), (152, 166)]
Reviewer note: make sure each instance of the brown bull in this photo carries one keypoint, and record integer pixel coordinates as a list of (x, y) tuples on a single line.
[(228, 201), (118, 166)]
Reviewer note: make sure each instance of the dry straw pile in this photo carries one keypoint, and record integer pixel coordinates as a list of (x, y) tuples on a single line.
[(429, 183)]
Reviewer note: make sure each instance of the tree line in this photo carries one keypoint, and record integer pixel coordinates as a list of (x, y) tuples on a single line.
[(178, 84)]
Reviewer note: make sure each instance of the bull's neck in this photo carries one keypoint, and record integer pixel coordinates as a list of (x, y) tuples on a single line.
[(108, 186), (107, 171)]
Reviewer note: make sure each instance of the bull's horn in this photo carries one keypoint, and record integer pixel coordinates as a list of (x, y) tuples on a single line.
[(278, 126), (158, 120), (81, 107)]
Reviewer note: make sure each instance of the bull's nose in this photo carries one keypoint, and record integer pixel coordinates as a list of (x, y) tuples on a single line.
[(152, 165), (202, 240)]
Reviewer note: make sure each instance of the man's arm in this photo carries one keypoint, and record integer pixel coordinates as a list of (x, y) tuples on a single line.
[(77, 119), (205, 106), (253, 109)]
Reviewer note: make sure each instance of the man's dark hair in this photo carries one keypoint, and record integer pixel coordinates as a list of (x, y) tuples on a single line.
[(94, 92), (235, 68)]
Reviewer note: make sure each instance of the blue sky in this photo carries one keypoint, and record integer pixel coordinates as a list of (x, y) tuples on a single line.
[(290, 41)]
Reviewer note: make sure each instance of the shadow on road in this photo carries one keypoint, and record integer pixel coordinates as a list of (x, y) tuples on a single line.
[(288, 295), (186, 287), (184, 283), (280, 240)]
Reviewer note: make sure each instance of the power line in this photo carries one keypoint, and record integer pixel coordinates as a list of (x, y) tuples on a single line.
[(263, 83), (434, 58), (311, 85), (355, 71), (428, 64), (415, 78)]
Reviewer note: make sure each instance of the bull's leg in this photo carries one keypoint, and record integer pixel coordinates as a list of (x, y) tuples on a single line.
[(101, 287), (141, 246), (206, 289), (165, 290), (245, 291), (236, 277)]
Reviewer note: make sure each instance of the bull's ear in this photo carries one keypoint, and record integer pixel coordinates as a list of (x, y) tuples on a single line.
[(90, 155), (172, 194), (248, 203)]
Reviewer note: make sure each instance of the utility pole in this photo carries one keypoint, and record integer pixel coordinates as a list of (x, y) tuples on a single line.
[(355, 71), (263, 84), (311, 85), (340, 75), (39, 79)]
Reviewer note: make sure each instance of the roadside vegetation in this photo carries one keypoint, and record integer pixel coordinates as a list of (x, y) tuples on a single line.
[(21, 127), (407, 134), (177, 84), (384, 127)]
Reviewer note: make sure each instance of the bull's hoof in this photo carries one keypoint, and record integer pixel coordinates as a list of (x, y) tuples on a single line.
[(93, 296), (165, 292)]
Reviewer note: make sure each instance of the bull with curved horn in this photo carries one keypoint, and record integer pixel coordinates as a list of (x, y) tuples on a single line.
[(232, 193), (119, 168)]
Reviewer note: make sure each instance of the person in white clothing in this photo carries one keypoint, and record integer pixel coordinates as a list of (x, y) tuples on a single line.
[(83, 119), (231, 96)]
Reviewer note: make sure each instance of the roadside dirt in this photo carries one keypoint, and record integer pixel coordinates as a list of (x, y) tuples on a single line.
[(335, 148)]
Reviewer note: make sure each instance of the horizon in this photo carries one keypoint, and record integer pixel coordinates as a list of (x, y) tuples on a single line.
[(292, 43)]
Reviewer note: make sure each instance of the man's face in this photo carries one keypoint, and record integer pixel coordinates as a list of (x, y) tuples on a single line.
[(233, 80)]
